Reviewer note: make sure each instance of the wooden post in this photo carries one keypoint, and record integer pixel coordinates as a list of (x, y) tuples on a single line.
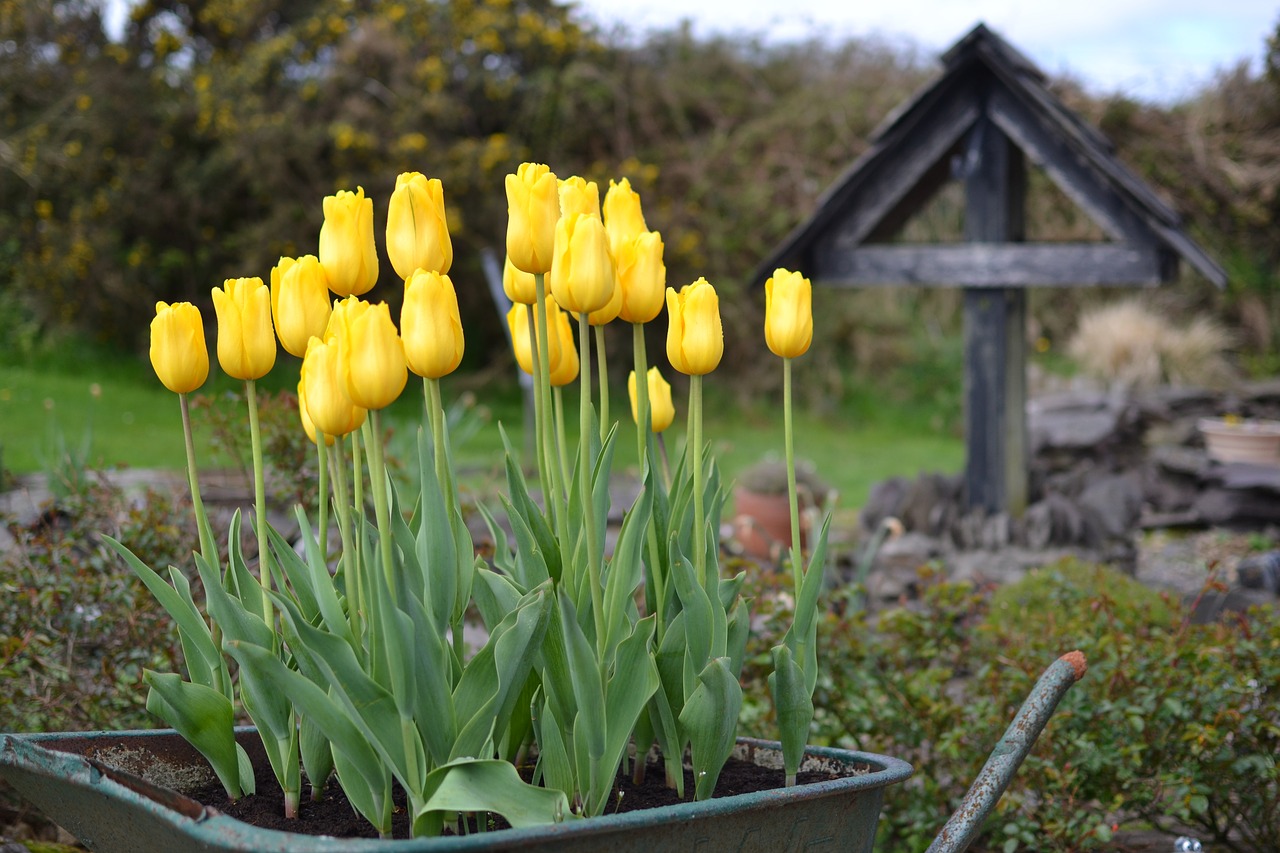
[(995, 380)]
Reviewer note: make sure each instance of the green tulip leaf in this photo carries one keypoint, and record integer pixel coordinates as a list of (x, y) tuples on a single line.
[(490, 785), (709, 720), (794, 707), (205, 718)]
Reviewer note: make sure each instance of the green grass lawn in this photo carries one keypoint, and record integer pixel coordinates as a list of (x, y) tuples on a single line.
[(133, 421)]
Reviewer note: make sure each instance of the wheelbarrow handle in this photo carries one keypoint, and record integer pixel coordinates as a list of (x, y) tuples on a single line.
[(1003, 763)]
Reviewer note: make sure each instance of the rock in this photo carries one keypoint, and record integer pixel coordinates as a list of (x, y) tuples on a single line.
[(923, 495), (1261, 571), (1240, 507), (1110, 507), (1055, 520), (885, 500)]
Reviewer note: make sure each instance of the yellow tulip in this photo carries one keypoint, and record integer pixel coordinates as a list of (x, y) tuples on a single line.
[(788, 313), (307, 426), (582, 274), (623, 218), (695, 339), (578, 195), (430, 325), (661, 410), (533, 206), (178, 351), (417, 230), (519, 286), (338, 318), (374, 371), (606, 315), (299, 302), (518, 324), (567, 369), (321, 390), (246, 340), (347, 250), (641, 276)]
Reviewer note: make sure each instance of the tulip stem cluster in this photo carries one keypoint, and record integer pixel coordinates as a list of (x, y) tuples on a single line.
[(360, 669)]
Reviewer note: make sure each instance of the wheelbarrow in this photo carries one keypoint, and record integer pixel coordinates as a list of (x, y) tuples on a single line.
[(124, 792)]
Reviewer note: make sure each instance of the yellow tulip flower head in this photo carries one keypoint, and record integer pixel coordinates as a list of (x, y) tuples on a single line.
[(521, 339), (695, 338), (347, 250), (417, 230), (582, 273), (519, 286), (609, 313), (299, 302), (578, 195), (533, 206), (321, 390), (788, 313), (430, 326), (178, 351), (623, 218), (641, 276), (374, 370), (567, 369), (661, 410), (246, 340), (307, 426)]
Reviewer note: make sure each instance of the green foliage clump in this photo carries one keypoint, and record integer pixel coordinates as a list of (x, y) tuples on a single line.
[(76, 627), (1175, 726)]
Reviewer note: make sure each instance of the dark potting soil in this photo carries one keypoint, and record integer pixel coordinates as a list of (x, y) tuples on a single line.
[(333, 815)]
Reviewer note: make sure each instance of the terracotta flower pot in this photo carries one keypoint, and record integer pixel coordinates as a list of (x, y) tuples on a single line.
[(1251, 441)]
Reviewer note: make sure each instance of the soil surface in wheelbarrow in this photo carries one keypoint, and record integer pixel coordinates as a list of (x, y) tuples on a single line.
[(333, 814)]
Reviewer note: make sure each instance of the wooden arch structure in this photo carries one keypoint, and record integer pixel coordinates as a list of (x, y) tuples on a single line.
[(980, 122)]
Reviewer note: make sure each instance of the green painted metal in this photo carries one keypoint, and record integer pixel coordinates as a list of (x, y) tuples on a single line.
[(122, 792), (116, 792)]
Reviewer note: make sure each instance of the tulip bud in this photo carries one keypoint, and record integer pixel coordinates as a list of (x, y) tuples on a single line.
[(623, 218), (347, 250), (695, 339), (417, 231), (582, 273), (567, 369), (374, 371), (533, 207), (578, 195), (246, 341), (641, 276), (661, 410), (178, 351), (321, 390), (519, 286), (299, 302), (606, 315), (518, 324), (788, 313), (430, 326)]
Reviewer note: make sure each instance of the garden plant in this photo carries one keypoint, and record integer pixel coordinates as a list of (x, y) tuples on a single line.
[(349, 656)]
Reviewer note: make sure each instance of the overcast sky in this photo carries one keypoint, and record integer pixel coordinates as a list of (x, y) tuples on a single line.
[(1156, 50)]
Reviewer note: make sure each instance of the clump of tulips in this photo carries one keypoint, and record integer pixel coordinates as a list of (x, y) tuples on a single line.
[(350, 659)]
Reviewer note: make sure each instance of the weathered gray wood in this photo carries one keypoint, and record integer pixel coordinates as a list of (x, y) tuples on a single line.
[(989, 265), (995, 330)]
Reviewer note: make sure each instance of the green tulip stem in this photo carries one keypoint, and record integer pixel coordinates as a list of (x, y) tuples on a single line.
[(603, 365), (260, 501), (342, 505), (561, 439), (381, 501), (644, 421), (797, 569), (699, 518), (435, 406), (360, 524), (322, 509), (552, 494), (207, 546), (594, 558)]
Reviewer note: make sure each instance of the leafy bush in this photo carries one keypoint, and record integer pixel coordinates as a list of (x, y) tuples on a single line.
[(1175, 725), (76, 627)]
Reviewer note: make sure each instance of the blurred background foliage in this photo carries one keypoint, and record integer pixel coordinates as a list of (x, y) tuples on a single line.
[(198, 144)]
